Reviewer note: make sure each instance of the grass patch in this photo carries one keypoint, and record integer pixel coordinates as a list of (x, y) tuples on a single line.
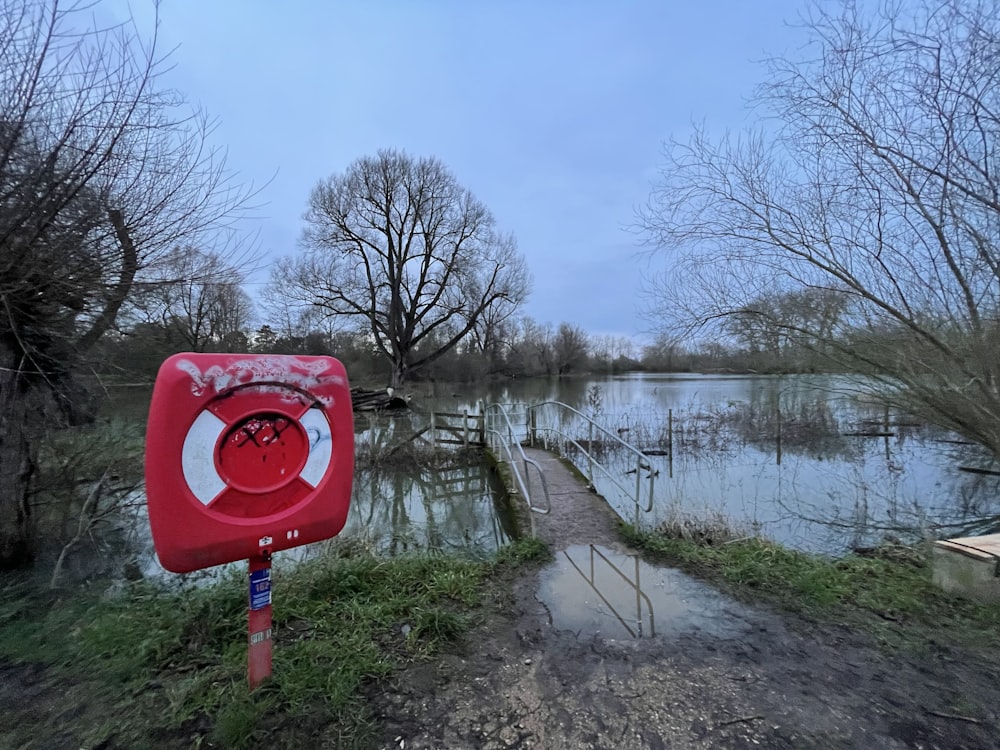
[(171, 665), (525, 550), (889, 592)]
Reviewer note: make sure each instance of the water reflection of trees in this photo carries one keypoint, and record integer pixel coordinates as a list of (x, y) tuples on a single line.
[(850, 472), (817, 469), (820, 428), (454, 503), (898, 498)]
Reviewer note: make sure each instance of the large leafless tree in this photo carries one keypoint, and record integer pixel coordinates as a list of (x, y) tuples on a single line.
[(101, 172), (876, 175), (395, 243)]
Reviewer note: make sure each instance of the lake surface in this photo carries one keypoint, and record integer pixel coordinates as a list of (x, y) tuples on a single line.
[(798, 459), (791, 458)]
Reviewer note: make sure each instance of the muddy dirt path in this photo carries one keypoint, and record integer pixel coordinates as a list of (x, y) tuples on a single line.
[(768, 680)]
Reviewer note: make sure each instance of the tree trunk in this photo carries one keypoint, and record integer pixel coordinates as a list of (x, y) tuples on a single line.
[(399, 372), (23, 390), (17, 538)]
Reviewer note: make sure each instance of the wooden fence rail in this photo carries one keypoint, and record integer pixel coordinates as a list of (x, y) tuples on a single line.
[(450, 428)]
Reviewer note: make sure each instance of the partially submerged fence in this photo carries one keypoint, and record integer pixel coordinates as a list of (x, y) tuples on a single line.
[(450, 428), (505, 428)]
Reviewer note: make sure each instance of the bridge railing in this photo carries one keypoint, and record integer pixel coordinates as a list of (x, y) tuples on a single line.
[(504, 439), (551, 430)]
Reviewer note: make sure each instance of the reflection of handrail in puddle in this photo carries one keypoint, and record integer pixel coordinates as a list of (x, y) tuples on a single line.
[(639, 595)]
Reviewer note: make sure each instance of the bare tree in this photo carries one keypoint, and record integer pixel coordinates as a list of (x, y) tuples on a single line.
[(609, 351), (663, 354), (882, 183), (101, 172), (531, 348), (492, 333), (622, 347), (569, 349), (196, 296), (398, 243), (786, 326)]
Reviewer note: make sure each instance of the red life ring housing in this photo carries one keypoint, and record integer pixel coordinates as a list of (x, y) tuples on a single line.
[(246, 453)]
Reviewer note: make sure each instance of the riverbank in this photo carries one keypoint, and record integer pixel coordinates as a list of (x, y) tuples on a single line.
[(804, 652), (435, 652), (791, 670), (886, 591)]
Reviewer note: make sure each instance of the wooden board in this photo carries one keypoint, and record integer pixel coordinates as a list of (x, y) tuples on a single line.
[(981, 547)]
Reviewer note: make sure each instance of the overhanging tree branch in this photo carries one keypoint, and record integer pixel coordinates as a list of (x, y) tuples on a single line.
[(880, 181)]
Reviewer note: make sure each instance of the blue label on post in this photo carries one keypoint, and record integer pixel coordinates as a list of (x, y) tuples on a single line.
[(260, 589)]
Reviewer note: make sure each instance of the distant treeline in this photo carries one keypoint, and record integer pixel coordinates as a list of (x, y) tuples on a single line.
[(527, 349)]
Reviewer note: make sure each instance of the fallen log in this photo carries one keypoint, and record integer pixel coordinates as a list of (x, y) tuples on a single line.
[(364, 399)]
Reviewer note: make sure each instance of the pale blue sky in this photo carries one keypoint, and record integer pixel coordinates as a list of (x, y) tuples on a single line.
[(552, 112)]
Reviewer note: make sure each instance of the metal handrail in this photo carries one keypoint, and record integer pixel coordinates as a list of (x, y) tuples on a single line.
[(505, 439), (641, 463)]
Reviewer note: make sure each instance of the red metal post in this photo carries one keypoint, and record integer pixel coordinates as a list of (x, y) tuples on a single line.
[(259, 621)]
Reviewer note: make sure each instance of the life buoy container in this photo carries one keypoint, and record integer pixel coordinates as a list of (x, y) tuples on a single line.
[(246, 453)]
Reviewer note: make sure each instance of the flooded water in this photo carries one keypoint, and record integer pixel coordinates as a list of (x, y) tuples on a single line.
[(454, 503), (795, 458), (592, 590), (462, 508), (791, 458), (458, 508)]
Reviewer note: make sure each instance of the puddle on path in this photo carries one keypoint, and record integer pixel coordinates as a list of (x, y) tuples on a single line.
[(593, 590)]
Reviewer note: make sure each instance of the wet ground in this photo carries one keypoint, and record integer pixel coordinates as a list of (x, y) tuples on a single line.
[(599, 592), (602, 650)]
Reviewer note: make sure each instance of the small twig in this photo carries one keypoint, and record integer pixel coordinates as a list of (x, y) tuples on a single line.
[(740, 720), (956, 717)]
